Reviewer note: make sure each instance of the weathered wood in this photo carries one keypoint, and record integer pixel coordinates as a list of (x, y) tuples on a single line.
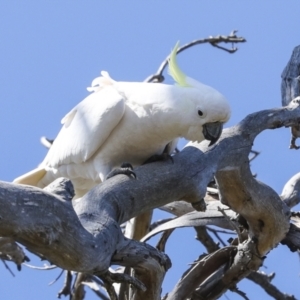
[(290, 84), (86, 237), (290, 89), (138, 227), (200, 271), (291, 191), (264, 280)]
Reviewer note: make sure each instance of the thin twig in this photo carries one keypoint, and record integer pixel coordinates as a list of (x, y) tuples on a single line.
[(219, 238), (264, 281), (46, 142), (45, 268), (219, 231), (78, 290), (8, 268), (56, 279), (95, 288), (206, 239), (163, 240), (214, 41), (212, 190), (255, 154), (109, 278), (239, 292), (159, 222), (235, 227)]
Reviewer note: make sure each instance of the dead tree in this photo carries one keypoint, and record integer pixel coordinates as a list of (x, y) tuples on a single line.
[(85, 236)]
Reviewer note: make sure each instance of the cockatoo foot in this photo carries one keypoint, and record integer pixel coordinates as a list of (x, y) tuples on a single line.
[(125, 169), (159, 157), (199, 205)]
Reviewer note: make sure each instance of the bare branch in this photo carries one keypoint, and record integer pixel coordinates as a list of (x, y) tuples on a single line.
[(233, 224), (217, 236), (239, 292), (78, 291), (264, 281), (291, 191), (45, 268), (255, 154), (46, 142), (214, 41), (200, 271), (292, 239), (212, 216), (229, 274), (290, 89), (7, 267), (95, 288), (163, 240), (159, 222), (177, 208), (85, 235), (290, 84), (138, 227), (205, 239)]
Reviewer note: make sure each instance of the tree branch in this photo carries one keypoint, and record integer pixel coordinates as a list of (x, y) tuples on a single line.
[(264, 281), (214, 41), (87, 238), (200, 271), (290, 89), (291, 191)]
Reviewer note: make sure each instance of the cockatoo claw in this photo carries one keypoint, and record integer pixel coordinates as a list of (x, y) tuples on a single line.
[(199, 205), (125, 169), (159, 157)]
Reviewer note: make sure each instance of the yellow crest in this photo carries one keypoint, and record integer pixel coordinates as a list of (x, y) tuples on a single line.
[(174, 70)]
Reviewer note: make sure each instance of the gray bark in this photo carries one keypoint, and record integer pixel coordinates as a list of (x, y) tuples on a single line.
[(87, 238), (290, 84), (290, 89), (265, 281)]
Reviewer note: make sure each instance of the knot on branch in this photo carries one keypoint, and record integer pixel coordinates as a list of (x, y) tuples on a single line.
[(61, 187)]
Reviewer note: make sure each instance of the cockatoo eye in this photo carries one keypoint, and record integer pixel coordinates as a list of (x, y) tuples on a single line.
[(200, 113)]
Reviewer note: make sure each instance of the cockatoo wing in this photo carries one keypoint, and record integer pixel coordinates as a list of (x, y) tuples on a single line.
[(86, 127)]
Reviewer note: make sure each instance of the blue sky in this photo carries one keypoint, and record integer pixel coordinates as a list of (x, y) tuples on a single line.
[(50, 51)]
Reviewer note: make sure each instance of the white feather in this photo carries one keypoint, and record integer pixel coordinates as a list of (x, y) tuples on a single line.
[(126, 122)]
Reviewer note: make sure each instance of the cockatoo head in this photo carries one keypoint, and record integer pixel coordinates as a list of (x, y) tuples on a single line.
[(208, 108)]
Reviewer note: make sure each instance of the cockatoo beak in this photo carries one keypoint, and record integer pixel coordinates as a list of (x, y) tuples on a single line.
[(212, 131)]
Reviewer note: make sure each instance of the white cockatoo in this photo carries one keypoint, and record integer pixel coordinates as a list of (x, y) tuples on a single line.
[(129, 122)]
